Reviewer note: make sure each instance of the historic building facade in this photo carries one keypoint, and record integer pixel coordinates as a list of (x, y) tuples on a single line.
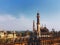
[(41, 36)]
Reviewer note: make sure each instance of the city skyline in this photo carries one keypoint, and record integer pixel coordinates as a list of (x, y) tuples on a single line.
[(19, 14)]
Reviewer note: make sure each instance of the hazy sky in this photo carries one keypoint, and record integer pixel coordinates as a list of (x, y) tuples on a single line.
[(19, 14)]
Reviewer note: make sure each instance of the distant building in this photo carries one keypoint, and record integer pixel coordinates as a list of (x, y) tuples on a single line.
[(2, 35)]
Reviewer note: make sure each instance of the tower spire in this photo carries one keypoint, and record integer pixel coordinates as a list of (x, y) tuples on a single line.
[(33, 25), (38, 25)]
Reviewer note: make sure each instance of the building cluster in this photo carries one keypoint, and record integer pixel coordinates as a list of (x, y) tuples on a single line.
[(39, 36)]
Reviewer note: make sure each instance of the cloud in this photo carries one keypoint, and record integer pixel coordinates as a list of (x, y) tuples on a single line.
[(8, 22)]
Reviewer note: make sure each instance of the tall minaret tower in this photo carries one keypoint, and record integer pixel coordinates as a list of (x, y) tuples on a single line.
[(33, 25), (38, 25)]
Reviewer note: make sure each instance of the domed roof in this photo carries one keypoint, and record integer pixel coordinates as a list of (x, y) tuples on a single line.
[(44, 30), (37, 13)]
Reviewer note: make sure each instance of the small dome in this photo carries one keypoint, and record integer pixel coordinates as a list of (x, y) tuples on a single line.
[(37, 13)]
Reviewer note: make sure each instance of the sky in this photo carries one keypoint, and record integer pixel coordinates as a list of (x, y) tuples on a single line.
[(19, 14)]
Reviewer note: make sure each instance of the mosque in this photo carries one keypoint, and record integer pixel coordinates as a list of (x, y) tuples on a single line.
[(41, 36)]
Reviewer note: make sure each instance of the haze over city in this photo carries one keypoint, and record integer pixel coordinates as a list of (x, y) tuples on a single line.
[(19, 14)]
